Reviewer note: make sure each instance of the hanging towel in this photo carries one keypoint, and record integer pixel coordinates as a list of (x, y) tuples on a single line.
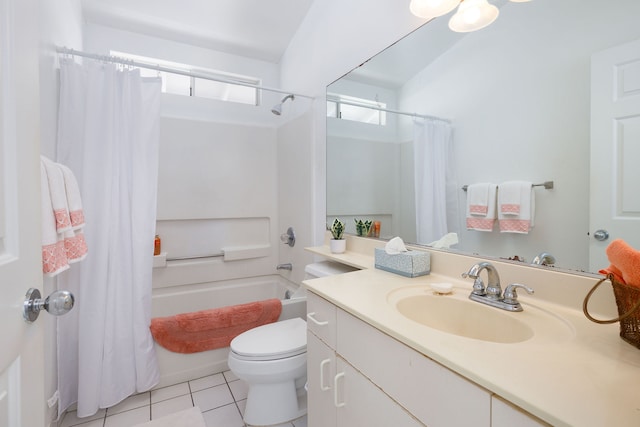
[(481, 206), (54, 259), (211, 329), (74, 202), (74, 243), (58, 194), (516, 207)]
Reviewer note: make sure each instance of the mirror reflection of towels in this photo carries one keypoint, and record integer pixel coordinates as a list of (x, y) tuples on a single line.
[(516, 207), (481, 206)]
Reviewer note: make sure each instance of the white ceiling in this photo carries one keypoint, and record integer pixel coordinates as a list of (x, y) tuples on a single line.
[(257, 29)]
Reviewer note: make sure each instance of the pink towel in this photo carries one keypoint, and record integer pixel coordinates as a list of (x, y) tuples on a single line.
[(211, 329), (625, 262), (481, 206)]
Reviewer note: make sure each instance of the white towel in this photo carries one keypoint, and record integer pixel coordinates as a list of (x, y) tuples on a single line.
[(54, 258), (516, 207), (481, 206), (74, 201), (58, 194)]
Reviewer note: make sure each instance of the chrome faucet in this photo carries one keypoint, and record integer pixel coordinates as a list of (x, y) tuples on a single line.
[(287, 266), (544, 258), (493, 289), (492, 293)]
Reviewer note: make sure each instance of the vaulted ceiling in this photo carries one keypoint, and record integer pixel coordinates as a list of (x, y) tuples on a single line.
[(257, 29)]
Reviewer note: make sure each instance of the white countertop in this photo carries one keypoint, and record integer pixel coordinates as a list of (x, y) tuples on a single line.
[(589, 377)]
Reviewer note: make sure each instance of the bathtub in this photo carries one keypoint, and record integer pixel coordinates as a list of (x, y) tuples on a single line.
[(176, 367)]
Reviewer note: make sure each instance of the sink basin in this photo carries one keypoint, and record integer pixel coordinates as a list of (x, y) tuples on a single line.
[(456, 314)]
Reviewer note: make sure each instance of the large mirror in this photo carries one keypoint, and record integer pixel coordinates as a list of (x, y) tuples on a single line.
[(518, 96)]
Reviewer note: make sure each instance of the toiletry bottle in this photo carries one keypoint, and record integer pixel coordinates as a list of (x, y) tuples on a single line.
[(376, 229), (157, 245)]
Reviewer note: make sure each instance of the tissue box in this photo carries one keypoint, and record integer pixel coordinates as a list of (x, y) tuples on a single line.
[(408, 264)]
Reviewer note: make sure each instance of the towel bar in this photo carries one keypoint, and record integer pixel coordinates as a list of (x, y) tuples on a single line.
[(548, 185)]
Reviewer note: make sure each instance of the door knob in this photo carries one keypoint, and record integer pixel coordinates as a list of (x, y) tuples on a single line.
[(601, 235), (58, 303)]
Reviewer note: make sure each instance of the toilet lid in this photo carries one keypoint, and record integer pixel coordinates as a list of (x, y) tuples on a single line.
[(275, 340)]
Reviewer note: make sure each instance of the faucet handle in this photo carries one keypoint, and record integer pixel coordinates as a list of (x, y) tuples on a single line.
[(511, 296), (478, 287)]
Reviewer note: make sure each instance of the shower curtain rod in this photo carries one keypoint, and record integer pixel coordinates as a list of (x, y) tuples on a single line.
[(386, 110), (157, 67)]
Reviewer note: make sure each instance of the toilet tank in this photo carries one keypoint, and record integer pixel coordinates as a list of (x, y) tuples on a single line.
[(326, 268)]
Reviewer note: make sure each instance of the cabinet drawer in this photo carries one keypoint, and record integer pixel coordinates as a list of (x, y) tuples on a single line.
[(321, 319), (435, 395)]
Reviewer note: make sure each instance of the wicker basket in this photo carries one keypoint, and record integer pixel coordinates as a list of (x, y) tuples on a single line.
[(628, 301)]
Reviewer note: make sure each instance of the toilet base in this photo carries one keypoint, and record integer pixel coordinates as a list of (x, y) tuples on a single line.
[(274, 404)]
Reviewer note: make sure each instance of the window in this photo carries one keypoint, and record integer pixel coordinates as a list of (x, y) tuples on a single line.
[(356, 109), (221, 87)]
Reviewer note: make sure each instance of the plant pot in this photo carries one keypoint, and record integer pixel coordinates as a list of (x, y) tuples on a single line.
[(337, 246)]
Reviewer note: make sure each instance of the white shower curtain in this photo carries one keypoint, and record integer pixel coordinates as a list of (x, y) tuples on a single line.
[(108, 134), (434, 179)]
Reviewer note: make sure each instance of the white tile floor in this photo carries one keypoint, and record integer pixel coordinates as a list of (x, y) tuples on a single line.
[(221, 398)]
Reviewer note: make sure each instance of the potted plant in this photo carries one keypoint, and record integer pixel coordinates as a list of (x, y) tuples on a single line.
[(363, 227), (338, 244)]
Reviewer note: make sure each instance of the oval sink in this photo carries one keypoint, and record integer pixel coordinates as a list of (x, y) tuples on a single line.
[(457, 315), (467, 319)]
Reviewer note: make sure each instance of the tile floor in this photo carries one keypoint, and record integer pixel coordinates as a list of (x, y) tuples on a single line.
[(221, 398)]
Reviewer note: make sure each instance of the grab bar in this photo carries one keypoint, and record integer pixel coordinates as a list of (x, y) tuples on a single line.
[(185, 258)]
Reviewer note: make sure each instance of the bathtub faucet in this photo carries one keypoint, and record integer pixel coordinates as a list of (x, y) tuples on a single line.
[(287, 266)]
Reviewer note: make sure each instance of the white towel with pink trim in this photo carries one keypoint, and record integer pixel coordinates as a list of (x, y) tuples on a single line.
[(74, 201), (516, 207), (54, 257), (481, 206), (58, 195), (63, 242)]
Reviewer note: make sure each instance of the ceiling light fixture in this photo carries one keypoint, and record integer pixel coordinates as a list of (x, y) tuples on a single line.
[(471, 15)]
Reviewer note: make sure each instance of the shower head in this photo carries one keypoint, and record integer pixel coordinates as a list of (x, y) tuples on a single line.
[(277, 109)]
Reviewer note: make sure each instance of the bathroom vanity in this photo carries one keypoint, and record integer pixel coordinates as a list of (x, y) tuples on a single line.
[(372, 359)]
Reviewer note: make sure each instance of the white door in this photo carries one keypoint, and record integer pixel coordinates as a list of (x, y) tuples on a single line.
[(22, 399), (615, 150)]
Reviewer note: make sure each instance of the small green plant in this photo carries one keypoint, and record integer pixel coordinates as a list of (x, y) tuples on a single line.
[(337, 229), (363, 227)]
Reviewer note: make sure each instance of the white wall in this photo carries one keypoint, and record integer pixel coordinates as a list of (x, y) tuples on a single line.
[(296, 171), (335, 37), (519, 90), (60, 25)]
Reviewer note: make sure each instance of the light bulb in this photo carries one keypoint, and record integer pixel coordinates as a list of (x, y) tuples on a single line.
[(473, 15), (432, 8)]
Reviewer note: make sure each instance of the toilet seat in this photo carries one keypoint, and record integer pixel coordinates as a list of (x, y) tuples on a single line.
[(274, 341)]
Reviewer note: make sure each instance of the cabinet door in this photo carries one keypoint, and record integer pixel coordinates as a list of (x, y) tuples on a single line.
[(437, 396), (360, 403), (505, 414), (321, 371), (321, 319)]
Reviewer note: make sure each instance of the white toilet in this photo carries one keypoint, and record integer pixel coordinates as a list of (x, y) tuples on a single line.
[(272, 360)]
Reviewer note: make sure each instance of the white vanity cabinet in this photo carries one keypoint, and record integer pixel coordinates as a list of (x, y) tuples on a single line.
[(338, 394), (360, 376)]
